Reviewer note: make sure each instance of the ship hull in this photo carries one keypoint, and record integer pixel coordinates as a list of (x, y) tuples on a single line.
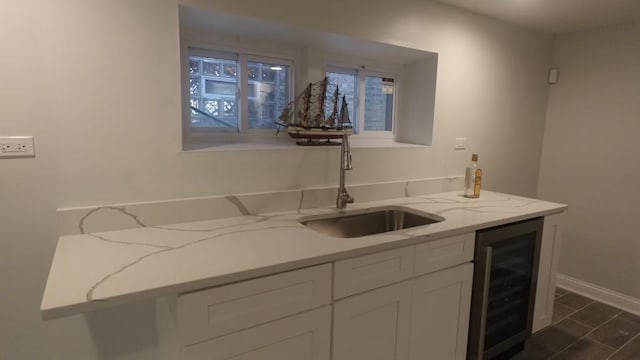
[(315, 136)]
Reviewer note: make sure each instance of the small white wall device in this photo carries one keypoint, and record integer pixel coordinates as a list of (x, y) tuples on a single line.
[(554, 73)]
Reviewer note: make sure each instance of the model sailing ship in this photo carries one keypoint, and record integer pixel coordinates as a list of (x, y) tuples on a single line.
[(306, 117)]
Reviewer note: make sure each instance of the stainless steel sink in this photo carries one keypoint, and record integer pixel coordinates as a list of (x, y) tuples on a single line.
[(371, 221)]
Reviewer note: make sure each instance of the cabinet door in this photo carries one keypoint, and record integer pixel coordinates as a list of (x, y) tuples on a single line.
[(301, 337), (373, 325), (440, 314), (547, 271)]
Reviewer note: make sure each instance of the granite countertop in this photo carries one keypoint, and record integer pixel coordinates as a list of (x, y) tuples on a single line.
[(92, 270)]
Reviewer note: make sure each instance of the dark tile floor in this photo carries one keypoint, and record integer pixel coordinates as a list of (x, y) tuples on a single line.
[(584, 329)]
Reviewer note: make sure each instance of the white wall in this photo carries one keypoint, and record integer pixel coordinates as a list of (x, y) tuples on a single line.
[(417, 101), (97, 84), (591, 156)]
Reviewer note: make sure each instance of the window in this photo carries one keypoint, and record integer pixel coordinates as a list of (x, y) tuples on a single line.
[(213, 91), (368, 93), (268, 93), (378, 103), (237, 73), (230, 92), (347, 82)]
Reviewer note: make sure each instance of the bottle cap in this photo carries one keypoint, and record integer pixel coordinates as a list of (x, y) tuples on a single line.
[(474, 157)]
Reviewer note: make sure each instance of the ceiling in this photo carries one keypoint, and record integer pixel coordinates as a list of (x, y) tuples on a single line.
[(556, 16)]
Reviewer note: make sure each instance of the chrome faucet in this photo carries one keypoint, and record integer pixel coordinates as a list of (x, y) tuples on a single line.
[(345, 164)]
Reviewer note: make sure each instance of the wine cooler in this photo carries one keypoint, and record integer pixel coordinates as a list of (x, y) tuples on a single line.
[(504, 287)]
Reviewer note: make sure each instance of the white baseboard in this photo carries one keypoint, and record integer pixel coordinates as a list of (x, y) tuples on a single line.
[(610, 297)]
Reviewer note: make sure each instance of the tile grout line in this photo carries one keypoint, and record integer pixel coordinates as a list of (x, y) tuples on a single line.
[(597, 327), (591, 301), (617, 314), (583, 324), (593, 329), (578, 340), (623, 345), (577, 322), (573, 312), (568, 315)]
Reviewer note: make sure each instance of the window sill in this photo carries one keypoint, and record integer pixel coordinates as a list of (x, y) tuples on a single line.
[(284, 142)]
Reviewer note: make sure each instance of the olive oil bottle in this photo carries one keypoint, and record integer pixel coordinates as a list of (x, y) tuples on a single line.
[(472, 178)]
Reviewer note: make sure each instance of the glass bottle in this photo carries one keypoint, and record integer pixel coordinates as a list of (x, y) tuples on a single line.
[(472, 178)]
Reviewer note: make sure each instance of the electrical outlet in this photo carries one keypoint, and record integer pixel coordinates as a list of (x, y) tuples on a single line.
[(16, 146)]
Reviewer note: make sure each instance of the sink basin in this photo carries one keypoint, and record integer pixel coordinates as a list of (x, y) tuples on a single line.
[(371, 221)]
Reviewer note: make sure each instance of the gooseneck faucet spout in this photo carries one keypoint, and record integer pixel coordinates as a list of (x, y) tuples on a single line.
[(345, 164)]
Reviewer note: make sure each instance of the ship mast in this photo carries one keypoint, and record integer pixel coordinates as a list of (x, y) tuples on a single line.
[(334, 113), (320, 119), (307, 106), (344, 114)]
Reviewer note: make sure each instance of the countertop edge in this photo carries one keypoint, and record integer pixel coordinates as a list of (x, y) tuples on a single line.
[(229, 278)]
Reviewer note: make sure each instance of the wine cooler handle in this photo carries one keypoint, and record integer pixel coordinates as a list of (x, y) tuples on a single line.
[(487, 254)]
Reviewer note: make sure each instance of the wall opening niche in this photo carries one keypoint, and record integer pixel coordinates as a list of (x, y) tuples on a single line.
[(239, 73)]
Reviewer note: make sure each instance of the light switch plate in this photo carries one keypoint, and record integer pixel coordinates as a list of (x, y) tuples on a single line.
[(16, 146), (461, 143)]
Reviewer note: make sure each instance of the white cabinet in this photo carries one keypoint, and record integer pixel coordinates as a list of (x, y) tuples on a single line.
[(276, 317), (547, 271), (256, 319), (410, 303), (373, 325), (440, 314), (423, 318), (416, 318), (306, 336)]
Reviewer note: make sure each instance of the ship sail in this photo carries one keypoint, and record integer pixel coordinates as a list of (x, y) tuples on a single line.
[(306, 116)]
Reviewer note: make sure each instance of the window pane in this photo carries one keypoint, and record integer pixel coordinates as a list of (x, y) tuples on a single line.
[(194, 86), (347, 84), (211, 68), (213, 87), (194, 65), (211, 107), (268, 92), (378, 103)]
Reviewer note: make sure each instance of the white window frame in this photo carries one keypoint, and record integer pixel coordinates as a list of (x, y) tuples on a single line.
[(362, 74), (347, 66), (194, 135), (246, 58), (186, 95)]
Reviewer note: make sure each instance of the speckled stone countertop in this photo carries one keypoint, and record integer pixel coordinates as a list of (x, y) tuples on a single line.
[(92, 270)]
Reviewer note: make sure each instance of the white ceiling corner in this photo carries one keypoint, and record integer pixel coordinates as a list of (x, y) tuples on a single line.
[(555, 16)]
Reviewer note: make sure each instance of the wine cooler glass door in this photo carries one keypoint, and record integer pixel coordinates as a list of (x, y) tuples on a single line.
[(504, 287)]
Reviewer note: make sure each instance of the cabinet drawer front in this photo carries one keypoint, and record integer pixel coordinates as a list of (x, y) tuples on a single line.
[(368, 272), (443, 253), (210, 313), (305, 336)]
